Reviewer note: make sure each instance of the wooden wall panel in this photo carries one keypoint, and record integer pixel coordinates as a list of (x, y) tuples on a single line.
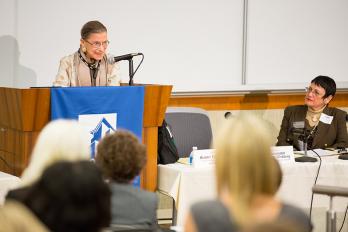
[(24, 112), (10, 105), (155, 104), (250, 101), (36, 105), (6, 162)]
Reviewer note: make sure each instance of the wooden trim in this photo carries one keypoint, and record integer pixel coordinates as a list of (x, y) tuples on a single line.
[(149, 173), (250, 101), (36, 108)]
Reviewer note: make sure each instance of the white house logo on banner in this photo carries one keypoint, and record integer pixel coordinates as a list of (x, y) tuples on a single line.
[(97, 126)]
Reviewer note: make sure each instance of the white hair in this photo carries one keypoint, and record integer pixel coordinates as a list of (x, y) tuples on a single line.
[(59, 140)]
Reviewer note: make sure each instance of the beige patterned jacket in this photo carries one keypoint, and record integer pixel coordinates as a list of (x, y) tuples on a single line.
[(69, 73)]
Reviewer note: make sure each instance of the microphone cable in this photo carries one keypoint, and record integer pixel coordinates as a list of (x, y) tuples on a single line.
[(142, 58), (345, 214), (315, 182)]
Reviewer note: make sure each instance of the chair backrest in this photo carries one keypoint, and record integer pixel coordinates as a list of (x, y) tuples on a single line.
[(191, 128)]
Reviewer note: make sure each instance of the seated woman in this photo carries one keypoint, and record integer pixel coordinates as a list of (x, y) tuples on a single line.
[(247, 179), (59, 140), (70, 197), (121, 157), (323, 126)]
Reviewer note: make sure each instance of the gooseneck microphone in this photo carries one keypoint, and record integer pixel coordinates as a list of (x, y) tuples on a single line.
[(304, 135), (113, 59)]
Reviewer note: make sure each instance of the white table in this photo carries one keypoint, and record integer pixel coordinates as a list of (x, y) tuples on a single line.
[(7, 182), (188, 185)]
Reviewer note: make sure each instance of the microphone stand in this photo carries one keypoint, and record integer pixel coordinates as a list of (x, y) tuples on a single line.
[(343, 154), (305, 157), (131, 72)]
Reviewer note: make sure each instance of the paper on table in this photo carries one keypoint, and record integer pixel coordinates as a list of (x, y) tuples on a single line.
[(184, 160), (320, 152)]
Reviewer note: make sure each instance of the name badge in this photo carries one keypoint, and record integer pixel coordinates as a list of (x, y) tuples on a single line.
[(298, 125), (283, 153), (324, 118)]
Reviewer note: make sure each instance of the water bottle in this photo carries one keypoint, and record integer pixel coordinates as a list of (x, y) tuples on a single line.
[(191, 155)]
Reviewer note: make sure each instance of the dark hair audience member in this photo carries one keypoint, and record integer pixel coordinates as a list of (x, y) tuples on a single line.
[(70, 197), (121, 157)]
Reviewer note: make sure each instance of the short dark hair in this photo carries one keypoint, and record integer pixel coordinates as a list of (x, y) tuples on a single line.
[(92, 27), (327, 83), (121, 156), (71, 196)]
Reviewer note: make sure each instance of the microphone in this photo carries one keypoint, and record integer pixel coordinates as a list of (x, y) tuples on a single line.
[(298, 131), (304, 135), (343, 153), (113, 59)]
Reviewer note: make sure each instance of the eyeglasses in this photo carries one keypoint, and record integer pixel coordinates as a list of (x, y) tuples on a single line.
[(99, 44), (313, 91)]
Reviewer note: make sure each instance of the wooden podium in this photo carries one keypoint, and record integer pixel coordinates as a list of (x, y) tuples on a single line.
[(24, 112)]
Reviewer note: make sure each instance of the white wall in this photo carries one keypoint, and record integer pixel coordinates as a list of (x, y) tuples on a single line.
[(294, 40), (7, 42), (195, 45)]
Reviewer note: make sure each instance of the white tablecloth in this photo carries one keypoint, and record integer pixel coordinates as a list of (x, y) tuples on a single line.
[(188, 185), (7, 182)]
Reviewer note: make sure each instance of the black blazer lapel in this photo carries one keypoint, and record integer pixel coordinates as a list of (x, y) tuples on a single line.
[(321, 129), (301, 115)]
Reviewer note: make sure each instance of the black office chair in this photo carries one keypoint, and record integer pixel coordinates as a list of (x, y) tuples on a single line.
[(190, 127)]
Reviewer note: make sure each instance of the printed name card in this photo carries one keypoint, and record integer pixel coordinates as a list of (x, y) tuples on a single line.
[(283, 153), (203, 158)]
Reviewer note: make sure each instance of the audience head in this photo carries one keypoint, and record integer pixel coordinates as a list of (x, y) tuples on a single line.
[(121, 156), (245, 167), (94, 40), (59, 140), (16, 217), (71, 196), (320, 92), (278, 172)]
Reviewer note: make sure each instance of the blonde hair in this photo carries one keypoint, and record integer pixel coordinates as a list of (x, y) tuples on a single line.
[(59, 140), (244, 164)]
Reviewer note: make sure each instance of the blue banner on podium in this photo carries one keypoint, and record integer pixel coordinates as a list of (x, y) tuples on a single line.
[(100, 110)]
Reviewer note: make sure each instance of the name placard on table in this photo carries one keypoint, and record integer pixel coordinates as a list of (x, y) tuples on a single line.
[(206, 157), (203, 158), (283, 153)]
